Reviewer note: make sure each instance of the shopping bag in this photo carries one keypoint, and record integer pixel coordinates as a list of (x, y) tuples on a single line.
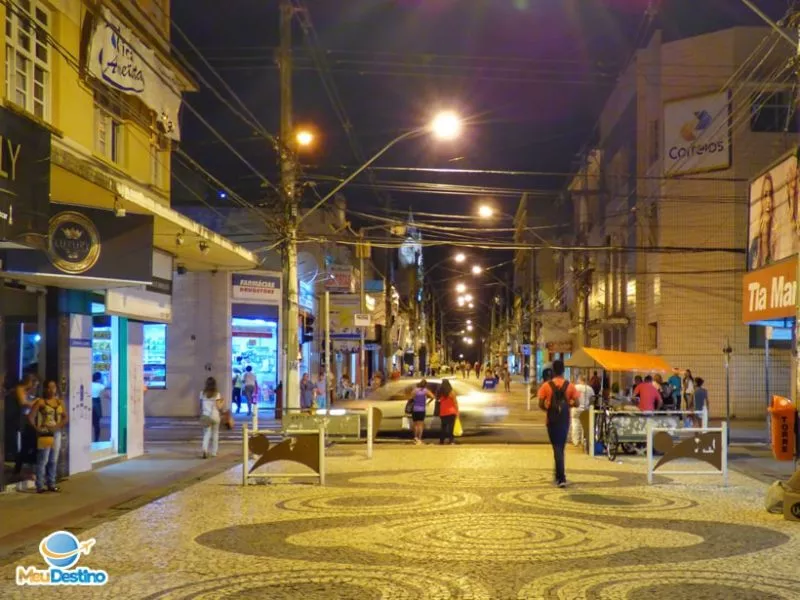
[(458, 431), (406, 423)]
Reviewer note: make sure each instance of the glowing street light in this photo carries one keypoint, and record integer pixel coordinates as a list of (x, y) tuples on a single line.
[(461, 288), (471, 305), (460, 257), (469, 327), (460, 356), (468, 298), (447, 125), (485, 211), (304, 138), (477, 269), (461, 301), (469, 321), (466, 339)]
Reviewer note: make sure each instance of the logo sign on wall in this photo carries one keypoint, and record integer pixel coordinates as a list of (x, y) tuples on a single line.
[(257, 288), (697, 134), (340, 279), (74, 242), (123, 62), (87, 242), (774, 224)]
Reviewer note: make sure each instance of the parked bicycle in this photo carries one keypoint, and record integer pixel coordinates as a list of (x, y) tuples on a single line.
[(606, 431)]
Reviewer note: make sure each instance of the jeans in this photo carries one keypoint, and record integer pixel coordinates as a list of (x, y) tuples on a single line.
[(237, 398), (249, 392), (575, 427), (46, 463), (211, 434), (558, 439), (448, 424)]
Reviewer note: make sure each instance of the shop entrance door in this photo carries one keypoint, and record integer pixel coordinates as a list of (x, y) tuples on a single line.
[(105, 385), (255, 345)]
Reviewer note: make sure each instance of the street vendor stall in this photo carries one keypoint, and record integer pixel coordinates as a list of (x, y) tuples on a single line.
[(626, 426)]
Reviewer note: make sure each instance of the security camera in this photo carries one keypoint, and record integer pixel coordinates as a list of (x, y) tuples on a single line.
[(181, 269)]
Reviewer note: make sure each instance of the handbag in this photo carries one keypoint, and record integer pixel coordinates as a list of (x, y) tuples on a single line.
[(458, 430), (227, 420), (409, 409)]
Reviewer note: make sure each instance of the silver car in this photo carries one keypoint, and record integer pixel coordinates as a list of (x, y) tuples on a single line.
[(476, 408)]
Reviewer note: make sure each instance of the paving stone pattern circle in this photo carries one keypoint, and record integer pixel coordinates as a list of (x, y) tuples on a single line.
[(605, 501), (505, 537), (661, 584), (329, 582), (362, 502)]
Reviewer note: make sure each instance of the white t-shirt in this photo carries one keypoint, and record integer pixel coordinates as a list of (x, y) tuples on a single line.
[(585, 395), (689, 387), (209, 407), (250, 378), (97, 389)]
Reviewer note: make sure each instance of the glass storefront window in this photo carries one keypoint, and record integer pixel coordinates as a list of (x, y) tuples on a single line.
[(255, 344), (154, 356)]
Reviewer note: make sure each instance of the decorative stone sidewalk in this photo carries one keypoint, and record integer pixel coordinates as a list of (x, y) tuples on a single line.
[(466, 522)]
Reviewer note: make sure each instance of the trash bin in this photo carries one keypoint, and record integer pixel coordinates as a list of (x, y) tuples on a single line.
[(783, 414)]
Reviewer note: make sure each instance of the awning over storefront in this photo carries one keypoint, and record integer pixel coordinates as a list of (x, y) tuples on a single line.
[(78, 179), (613, 360)]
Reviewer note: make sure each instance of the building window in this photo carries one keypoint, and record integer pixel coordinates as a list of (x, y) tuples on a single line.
[(108, 135), (773, 112), (154, 356), (654, 140), (652, 336), (28, 25)]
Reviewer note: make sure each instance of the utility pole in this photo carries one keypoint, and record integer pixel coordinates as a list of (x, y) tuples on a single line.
[(535, 317), (288, 169), (363, 294)]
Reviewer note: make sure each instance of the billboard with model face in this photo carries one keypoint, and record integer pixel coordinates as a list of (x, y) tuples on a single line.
[(774, 223)]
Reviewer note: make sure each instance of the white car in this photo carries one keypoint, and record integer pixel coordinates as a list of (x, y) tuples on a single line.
[(476, 408)]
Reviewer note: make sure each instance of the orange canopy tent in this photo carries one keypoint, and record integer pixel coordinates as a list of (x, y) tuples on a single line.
[(612, 360)]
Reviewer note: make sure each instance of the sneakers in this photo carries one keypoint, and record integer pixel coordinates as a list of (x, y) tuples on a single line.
[(53, 488), (561, 484)]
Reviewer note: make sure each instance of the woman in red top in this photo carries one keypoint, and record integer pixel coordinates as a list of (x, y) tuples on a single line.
[(448, 411)]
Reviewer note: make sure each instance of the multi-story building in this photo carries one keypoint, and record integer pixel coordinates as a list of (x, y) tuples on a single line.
[(664, 195), (91, 104), (540, 317)]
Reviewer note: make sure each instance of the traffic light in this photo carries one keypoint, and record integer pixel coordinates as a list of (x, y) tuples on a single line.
[(308, 329)]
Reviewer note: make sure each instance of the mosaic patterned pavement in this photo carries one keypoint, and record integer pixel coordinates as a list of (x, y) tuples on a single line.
[(463, 522)]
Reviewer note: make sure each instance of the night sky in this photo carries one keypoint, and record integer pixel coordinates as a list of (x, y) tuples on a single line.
[(530, 75)]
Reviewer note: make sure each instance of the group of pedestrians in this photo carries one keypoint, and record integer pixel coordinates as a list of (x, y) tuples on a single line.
[(40, 419), (447, 402)]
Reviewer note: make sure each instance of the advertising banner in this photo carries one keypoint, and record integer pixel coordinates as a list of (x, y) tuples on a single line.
[(770, 293), (123, 62), (87, 242), (697, 134), (774, 223), (24, 180), (260, 288), (340, 279)]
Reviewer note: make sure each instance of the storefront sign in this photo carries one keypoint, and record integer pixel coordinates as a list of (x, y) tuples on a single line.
[(24, 180), (122, 61), (697, 134), (257, 288), (340, 279), (87, 242), (770, 293), (562, 347), (774, 223)]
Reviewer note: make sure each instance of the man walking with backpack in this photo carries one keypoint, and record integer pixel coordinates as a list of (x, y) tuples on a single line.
[(556, 397)]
